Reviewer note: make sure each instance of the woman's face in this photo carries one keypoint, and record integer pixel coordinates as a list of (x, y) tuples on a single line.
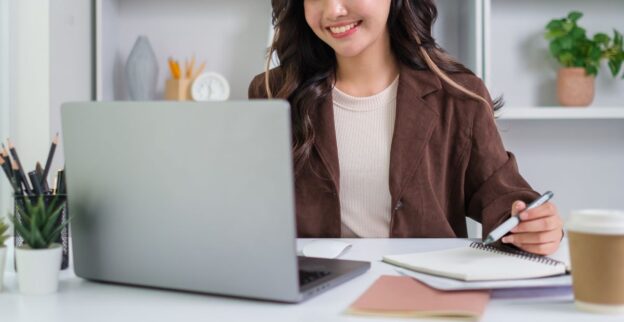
[(348, 26)]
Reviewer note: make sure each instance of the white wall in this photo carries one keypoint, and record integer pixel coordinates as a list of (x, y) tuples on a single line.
[(71, 69), (30, 112), (52, 65), (24, 83), (5, 40)]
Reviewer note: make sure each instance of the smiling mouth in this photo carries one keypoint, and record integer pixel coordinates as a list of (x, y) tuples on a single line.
[(345, 28)]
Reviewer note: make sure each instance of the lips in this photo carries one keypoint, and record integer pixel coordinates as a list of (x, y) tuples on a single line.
[(344, 29)]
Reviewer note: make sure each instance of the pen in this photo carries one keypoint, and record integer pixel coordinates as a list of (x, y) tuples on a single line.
[(34, 179), (60, 182), (43, 182), (512, 222), (46, 169)]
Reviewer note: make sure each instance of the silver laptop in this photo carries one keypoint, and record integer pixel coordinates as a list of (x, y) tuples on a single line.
[(189, 196)]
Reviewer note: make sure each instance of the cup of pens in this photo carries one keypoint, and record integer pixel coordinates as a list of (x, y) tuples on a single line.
[(178, 87), (36, 200)]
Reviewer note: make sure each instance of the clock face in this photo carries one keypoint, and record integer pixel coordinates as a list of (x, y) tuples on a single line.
[(210, 86)]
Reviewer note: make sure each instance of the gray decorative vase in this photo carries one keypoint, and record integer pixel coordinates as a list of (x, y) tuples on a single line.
[(142, 71)]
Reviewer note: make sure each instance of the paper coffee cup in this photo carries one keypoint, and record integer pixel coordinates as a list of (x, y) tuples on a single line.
[(596, 240)]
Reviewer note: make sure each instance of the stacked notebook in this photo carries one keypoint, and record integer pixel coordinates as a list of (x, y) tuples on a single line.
[(402, 296), (479, 262)]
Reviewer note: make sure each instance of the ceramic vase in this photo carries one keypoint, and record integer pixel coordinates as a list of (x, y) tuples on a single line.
[(575, 87), (38, 269), (142, 71)]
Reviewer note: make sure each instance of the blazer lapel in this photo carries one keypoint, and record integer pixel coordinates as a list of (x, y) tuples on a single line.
[(415, 122), (325, 139)]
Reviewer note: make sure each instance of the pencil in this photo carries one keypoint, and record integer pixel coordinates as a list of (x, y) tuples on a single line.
[(19, 165), (189, 71), (7, 158), (16, 178), (176, 69), (6, 167), (3, 165), (199, 70), (46, 170)]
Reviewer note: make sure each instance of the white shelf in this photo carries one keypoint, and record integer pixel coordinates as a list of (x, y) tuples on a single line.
[(561, 113), (231, 36), (518, 63)]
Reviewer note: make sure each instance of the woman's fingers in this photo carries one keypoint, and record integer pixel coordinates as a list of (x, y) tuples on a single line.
[(533, 237), (539, 231), (517, 207), (547, 209), (537, 225)]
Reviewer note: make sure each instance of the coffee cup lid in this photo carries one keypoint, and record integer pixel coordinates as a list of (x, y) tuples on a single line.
[(597, 221)]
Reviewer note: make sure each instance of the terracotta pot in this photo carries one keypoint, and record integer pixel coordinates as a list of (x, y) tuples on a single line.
[(575, 87)]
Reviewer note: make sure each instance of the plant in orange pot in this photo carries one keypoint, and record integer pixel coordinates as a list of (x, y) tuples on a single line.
[(581, 57)]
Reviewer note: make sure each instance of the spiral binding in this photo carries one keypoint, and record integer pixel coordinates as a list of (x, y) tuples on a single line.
[(516, 253)]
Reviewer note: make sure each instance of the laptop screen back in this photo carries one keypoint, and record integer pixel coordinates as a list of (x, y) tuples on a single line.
[(189, 196)]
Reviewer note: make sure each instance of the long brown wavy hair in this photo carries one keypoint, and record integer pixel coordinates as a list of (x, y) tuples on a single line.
[(308, 65)]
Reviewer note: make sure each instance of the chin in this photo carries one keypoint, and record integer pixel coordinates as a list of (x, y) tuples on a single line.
[(348, 52)]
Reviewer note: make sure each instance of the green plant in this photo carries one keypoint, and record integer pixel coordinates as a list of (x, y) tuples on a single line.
[(570, 45), (3, 229), (38, 223)]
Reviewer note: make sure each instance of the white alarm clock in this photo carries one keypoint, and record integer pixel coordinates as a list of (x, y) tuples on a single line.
[(210, 86)]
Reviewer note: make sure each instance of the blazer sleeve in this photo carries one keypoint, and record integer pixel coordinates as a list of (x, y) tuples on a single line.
[(492, 181)]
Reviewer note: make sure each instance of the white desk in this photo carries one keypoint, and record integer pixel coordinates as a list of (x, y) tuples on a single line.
[(81, 300)]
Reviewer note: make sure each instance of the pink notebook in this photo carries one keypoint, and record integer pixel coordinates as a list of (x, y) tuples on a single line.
[(403, 296)]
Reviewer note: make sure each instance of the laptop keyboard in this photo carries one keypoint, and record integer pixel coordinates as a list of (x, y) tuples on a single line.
[(306, 277)]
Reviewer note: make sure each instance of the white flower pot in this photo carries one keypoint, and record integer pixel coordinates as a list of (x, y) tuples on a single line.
[(3, 252), (38, 269)]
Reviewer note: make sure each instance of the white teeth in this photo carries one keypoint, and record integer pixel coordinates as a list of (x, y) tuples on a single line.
[(342, 29)]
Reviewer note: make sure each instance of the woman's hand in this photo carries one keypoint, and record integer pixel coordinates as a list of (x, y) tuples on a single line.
[(540, 229)]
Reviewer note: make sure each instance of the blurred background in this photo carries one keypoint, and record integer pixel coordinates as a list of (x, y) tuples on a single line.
[(54, 51)]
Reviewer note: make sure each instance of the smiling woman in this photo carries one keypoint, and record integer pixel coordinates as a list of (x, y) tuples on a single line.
[(392, 136)]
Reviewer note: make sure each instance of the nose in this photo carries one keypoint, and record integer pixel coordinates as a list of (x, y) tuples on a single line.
[(334, 9)]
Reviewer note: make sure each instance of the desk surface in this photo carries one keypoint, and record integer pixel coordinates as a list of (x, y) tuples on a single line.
[(81, 300)]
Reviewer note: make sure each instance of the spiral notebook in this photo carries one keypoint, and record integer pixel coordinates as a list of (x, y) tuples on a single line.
[(479, 262)]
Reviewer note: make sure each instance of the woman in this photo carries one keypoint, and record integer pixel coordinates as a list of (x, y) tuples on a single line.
[(391, 136)]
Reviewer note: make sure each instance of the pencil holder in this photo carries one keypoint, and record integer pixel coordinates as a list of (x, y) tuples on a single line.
[(178, 89), (63, 238)]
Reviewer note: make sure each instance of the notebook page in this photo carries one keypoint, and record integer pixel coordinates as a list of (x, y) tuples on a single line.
[(471, 264)]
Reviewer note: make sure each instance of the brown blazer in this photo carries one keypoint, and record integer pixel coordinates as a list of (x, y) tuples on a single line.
[(447, 161)]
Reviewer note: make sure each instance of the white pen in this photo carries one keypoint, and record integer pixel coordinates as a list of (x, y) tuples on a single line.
[(512, 222)]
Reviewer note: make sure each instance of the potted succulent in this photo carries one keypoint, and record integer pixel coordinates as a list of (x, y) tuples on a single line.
[(38, 260), (3, 250), (581, 57)]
